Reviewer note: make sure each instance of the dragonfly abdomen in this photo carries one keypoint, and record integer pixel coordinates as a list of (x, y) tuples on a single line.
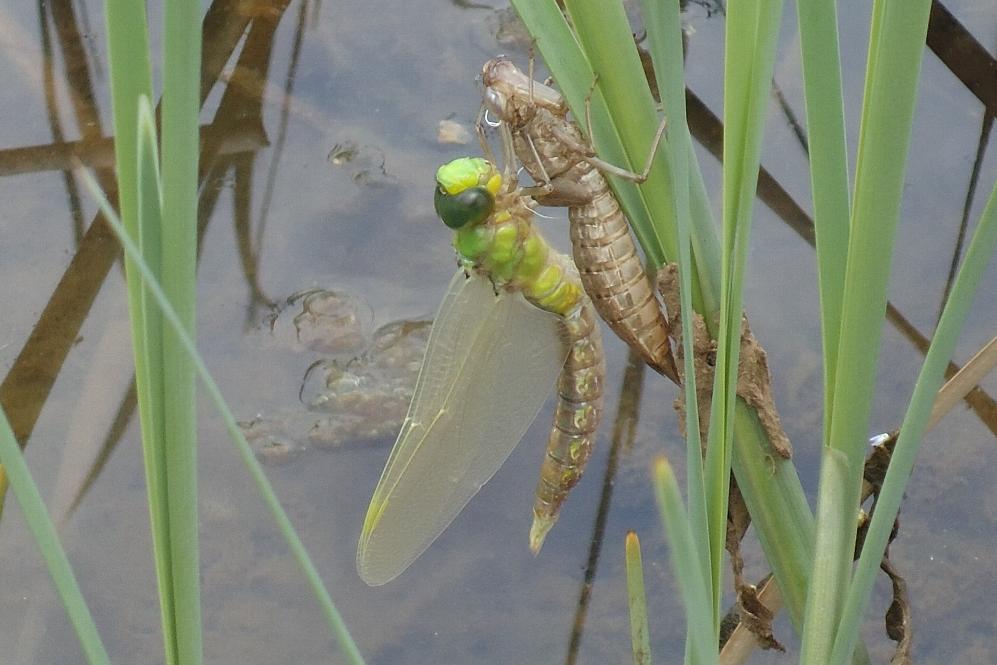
[(576, 419)]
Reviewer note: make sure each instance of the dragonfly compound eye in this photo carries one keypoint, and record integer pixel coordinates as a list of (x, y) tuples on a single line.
[(471, 206)]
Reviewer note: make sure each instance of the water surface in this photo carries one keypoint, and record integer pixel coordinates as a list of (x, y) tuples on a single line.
[(320, 144)]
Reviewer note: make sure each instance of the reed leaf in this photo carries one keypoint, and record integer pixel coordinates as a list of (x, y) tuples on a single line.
[(664, 32), (686, 564), (752, 31), (38, 520), (637, 601), (178, 275), (828, 171)]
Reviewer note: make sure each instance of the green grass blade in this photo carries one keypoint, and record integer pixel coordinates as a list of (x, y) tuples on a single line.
[(836, 523), (686, 565), (180, 106), (828, 171), (705, 244), (664, 32), (779, 510), (45, 535), (896, 44), (981, 250), (752, 32), (637, 600), (334, 620), (131, 77), (151, 381)]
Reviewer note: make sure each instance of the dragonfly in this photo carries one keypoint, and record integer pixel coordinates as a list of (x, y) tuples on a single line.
[(514, 320), (568, 173)]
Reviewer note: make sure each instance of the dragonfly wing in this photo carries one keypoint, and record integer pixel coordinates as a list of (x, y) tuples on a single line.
[(489, 366)]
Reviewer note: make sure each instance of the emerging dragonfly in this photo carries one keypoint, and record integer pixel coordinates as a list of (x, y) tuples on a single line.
[(568, 173), (515, 316)]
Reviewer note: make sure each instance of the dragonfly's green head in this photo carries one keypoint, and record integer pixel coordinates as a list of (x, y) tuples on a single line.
[(466, 190)]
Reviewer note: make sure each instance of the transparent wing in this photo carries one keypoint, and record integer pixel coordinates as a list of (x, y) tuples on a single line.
[(489, 366)]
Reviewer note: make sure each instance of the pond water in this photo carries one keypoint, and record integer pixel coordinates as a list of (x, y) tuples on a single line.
[(321, 261)]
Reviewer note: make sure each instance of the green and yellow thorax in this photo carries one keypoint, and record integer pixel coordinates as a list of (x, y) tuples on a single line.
[(494, 235)]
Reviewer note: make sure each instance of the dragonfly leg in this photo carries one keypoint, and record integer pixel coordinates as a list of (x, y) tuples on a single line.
[(549, 81), (544, 184), (479, 128), (531, 64), (588, 152), (604, 166), (588, 113), (654, 148), (509, 174)]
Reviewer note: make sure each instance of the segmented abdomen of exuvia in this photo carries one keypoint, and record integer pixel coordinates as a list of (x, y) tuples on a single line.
[(613, 275), (604, 251), (576, 419)]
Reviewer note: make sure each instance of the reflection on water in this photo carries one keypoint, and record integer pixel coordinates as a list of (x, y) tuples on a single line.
[(357, 393), (367, 397), (324, 321), (319, 141), (365, 164)]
